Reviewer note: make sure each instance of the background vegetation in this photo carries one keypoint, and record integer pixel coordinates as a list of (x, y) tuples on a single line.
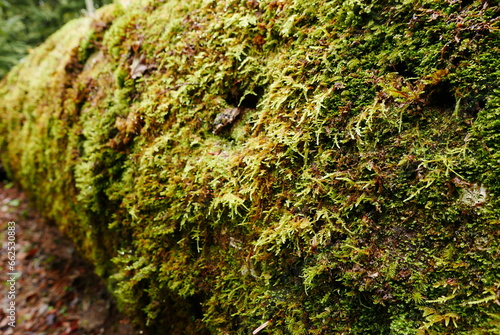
[(24, 24), (314, 166)]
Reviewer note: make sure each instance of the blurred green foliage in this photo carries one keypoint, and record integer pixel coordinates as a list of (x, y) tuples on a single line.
[(26, 23)]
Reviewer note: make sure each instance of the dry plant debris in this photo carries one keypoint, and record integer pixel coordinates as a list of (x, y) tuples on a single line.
[(57, 292)]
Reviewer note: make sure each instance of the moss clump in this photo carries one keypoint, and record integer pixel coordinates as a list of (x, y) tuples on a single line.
[(355, 191)]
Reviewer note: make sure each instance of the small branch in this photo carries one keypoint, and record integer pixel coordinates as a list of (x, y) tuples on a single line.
[(262, 326), (90, 6)]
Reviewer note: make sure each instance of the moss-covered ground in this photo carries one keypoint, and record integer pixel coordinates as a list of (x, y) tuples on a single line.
[(311, 166)]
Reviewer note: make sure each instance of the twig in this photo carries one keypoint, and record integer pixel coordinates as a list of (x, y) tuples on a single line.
[(262, 326)]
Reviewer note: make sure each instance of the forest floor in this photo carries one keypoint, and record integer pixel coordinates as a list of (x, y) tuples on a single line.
[(56, 292)]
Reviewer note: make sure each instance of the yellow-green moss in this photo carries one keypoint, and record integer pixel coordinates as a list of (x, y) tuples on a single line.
[(356, 192)]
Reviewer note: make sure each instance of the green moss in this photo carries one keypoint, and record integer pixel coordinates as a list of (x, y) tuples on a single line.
[(356, 190)]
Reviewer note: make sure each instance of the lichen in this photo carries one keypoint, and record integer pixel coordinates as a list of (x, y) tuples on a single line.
[(356, 190)]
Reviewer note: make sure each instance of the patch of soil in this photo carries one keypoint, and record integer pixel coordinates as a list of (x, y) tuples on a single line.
[(56, 292)]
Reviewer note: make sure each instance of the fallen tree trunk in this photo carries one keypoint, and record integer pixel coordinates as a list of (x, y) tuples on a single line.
[(302, 167)]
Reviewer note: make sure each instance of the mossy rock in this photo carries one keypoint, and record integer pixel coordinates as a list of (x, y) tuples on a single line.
[(314, 167)]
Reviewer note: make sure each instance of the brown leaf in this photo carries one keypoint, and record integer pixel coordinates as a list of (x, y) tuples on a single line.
[(139, 66)]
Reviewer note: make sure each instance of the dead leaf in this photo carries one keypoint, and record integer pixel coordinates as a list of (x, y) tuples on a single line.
[(139, 66)]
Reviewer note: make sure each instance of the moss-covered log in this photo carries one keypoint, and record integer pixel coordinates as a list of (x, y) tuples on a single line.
[(312, 166)]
